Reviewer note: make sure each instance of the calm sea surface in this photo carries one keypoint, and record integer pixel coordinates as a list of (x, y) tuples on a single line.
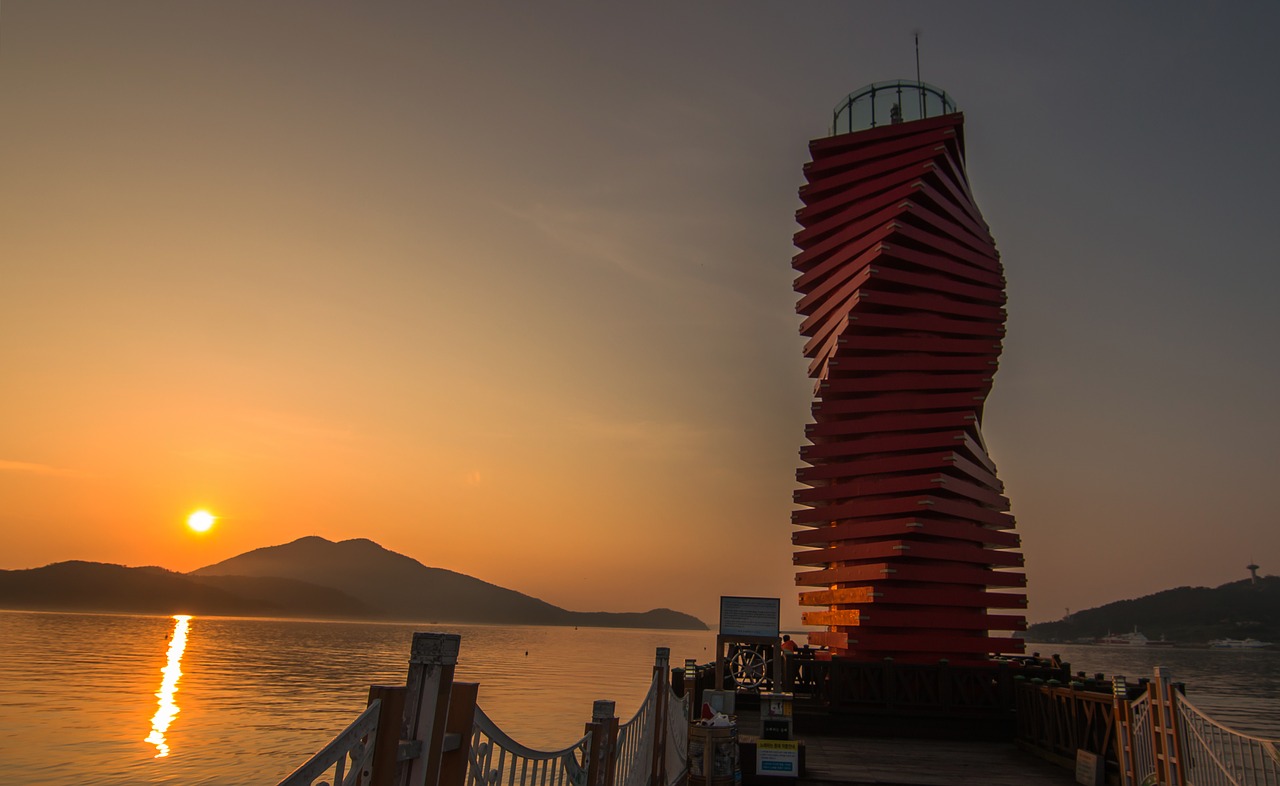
[(79, 696), (114, 699)]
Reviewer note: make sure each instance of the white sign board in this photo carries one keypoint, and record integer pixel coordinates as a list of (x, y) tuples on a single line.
[(749, 616), (778, 758), (1090, 768)]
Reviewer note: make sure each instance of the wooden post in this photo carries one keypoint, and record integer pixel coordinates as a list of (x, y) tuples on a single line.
[(888, 682), (387, 746), (720, 642), (606, 715), (1124, 730), (1169, 747), (462, 718), (658, 766), (944, 683), (602, 749), (691, 688), (430, 681), (1005, 687), (777, 664)]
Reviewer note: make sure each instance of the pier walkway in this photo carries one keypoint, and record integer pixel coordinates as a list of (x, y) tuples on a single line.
[(833, 760), (430, 732)]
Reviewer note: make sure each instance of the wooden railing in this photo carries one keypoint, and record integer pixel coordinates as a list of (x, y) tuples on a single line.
[(842, 686), (430, 732), (1057, 721), (1150, 735)]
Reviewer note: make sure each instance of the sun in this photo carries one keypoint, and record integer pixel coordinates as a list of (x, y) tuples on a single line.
[(201, 521)]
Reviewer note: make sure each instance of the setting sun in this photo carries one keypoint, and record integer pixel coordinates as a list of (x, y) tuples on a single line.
[(201, 521)]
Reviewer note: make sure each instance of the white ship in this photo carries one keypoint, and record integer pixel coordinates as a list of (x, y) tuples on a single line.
[(1134, 639)]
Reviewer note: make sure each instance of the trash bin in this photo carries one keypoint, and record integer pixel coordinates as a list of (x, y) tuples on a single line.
[(713, 755)]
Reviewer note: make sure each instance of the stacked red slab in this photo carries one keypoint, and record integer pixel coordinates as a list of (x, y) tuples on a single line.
[(905, 536)]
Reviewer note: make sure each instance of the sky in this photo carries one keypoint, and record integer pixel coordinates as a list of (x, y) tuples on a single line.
[(507, 287)]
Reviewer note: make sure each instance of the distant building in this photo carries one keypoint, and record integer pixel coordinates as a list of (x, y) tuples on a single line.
[(905, 540)]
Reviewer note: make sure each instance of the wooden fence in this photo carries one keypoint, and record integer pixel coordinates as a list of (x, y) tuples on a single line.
[(430, 732)]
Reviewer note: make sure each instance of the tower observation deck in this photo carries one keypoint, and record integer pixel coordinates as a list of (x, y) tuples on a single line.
[(874, 105), (904, 539)]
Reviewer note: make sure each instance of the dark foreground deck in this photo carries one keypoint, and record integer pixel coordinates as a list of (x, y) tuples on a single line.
[(859, 759)]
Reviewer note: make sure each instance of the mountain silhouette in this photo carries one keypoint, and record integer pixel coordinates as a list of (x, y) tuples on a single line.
[(1190, 615), (402, 588), (97, 586), (310, 577)]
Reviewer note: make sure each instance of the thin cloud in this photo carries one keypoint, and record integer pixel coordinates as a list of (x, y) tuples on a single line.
[(31, 468)]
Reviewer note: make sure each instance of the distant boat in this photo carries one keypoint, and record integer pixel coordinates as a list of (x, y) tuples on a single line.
[(1134, 639), (1239, 644)]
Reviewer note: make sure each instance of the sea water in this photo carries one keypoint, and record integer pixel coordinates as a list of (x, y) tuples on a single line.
[(119, 699)]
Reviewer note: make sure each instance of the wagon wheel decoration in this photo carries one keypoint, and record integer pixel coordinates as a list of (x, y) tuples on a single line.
[(748, 667)]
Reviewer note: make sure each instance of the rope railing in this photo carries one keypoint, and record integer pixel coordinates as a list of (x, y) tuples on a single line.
[(498, 760), (677, 737), (610, 754), (634, 748), (451, 741), (354, 744)]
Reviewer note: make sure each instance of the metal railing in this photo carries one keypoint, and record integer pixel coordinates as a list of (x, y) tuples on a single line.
[(1151, 735), (1141, 754), (889, 103), (1214, 755)]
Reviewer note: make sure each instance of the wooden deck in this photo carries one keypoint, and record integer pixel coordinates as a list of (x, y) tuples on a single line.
[(912, 762)]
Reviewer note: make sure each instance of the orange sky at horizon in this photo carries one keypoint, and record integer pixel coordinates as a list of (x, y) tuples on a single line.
[(510, 293)]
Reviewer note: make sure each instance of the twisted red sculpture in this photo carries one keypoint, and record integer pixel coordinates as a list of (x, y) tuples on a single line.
[(905, 536)]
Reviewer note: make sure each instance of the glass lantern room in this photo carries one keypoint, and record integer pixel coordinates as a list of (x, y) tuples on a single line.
[(889, 103)]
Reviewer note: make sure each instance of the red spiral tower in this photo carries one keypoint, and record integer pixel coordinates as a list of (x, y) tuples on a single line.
[(905, 536)]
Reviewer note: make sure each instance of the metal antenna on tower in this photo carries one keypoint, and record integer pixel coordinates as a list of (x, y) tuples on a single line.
[(919, 84)]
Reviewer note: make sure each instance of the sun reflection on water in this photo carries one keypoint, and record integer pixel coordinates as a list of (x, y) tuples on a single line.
[(167, 709)]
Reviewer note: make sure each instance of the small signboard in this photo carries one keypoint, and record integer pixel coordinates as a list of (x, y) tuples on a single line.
[(778, 758), (775, 728), (749, 616), (1090, 768)]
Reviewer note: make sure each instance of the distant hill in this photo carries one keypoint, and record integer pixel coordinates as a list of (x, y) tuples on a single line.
[(96, 586), (310, 577), (402, 588), (1190, 615)]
